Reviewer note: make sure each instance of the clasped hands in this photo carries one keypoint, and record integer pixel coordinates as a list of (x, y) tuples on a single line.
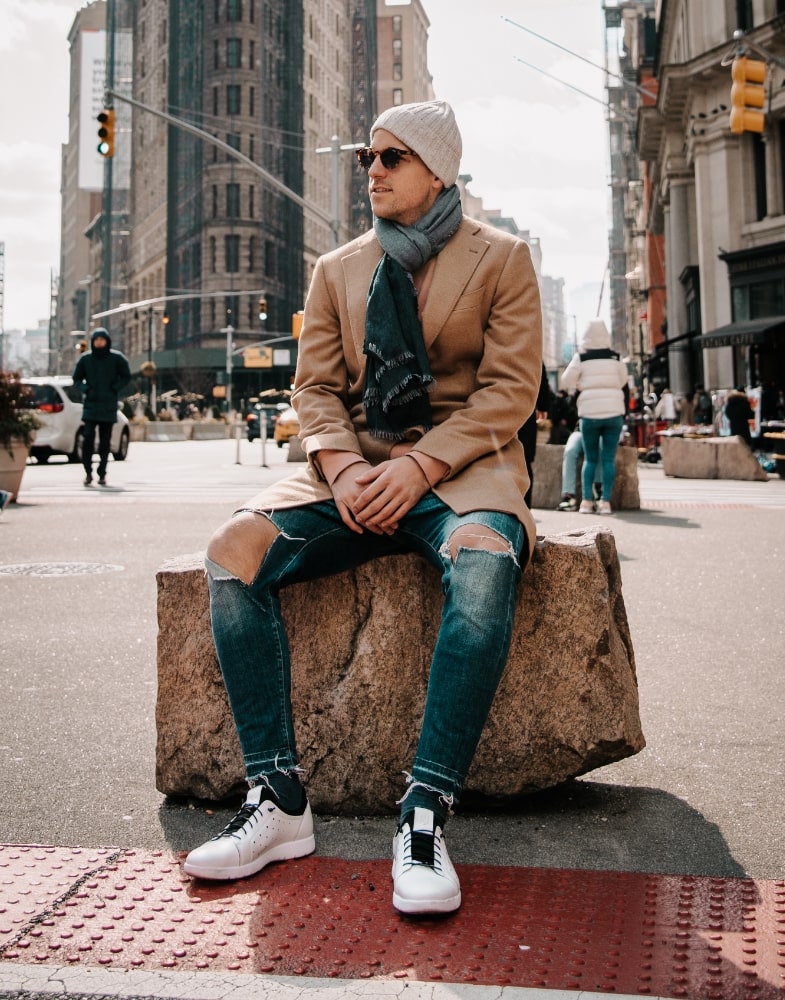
[(376, 498)]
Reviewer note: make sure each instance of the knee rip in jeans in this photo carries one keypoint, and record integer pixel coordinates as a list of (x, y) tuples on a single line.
[(478, 537), (239, 547)]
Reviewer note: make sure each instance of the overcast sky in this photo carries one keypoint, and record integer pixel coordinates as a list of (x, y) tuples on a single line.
[(536, 149)]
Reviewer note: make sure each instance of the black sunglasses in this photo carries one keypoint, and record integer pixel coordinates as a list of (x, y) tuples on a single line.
[(390, 157)]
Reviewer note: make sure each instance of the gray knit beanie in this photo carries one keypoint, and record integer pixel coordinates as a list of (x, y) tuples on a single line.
[(430, 130)]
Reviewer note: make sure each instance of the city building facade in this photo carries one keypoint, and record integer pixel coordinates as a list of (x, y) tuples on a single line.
[(715, 197), (81, 186), (233, 171)]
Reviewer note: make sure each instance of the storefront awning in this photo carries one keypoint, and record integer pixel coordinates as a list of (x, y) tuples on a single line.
[(744, 333)]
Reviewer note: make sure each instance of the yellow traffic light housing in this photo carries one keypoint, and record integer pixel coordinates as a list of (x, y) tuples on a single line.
[(106, 132), (263, 309), (747, 95), (297, 324)]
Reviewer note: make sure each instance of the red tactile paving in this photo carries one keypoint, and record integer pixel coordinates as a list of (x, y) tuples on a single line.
[(613, 932)]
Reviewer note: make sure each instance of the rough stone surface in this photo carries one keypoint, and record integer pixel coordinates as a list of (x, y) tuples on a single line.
[(547, 490), (709, 458), (568, 701)]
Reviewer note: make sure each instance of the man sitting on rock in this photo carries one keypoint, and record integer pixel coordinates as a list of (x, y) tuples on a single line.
[(419, 359)]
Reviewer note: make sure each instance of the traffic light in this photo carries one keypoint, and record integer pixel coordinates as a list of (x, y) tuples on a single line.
[(747, 95), (263, 309), (297, 324), (106, 132)]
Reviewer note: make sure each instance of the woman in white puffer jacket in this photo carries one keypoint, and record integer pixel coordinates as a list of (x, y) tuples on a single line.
[(599, 376)]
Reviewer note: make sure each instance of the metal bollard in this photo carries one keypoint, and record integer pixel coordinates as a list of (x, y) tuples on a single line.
[(237, 429), (263, 437)]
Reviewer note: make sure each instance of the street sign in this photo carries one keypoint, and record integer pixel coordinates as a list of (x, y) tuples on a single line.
[(258, 357)]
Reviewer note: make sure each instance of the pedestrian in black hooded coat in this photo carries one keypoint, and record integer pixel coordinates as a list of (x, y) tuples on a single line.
[(101, 374)]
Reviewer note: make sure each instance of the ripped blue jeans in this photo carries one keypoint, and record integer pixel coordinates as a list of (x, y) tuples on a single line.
[(480, 590)]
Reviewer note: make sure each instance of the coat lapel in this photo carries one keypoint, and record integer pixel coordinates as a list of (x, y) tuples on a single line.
[(358, 268), (454, 267)]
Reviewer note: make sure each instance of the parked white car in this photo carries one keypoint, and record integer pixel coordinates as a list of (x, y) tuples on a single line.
[(58, 405)]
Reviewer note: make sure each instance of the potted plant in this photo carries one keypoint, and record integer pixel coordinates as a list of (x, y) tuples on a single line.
[(18, 424)]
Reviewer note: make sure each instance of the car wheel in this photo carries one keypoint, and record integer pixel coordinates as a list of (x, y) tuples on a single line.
[(76, 454), (122, 451), (41, 455)]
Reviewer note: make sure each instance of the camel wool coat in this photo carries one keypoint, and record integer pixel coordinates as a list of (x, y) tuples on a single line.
[(483, 333)]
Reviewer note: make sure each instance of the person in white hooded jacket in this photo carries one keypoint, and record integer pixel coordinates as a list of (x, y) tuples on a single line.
[(599, 376)]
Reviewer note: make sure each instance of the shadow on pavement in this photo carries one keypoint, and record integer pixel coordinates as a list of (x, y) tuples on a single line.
[(579, 825)]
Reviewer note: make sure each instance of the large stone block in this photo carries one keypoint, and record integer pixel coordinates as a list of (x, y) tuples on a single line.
[(547, 490), (709, 458), (360, 649)]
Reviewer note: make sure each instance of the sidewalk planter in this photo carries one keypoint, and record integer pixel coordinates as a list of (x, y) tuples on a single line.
[(12, 466), (167, 430), (18, 424), (709, 458)]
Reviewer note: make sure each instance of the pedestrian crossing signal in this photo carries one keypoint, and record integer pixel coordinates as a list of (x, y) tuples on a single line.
[(106, 132)]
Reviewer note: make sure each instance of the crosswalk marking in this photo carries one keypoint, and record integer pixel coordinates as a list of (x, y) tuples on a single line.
[(655, 491)]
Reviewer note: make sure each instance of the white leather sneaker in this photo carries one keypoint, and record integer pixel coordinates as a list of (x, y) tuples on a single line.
[(261, 832), (424, 880)]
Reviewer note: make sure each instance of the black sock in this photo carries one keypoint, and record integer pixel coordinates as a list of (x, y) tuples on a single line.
[(423, 798), (288, 791)]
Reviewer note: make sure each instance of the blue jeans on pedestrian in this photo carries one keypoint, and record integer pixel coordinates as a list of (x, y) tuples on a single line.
[(573, 450), (480, 592), (600, 433)]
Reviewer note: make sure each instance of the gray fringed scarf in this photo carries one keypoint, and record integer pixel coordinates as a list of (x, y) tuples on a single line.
[(398, 375)]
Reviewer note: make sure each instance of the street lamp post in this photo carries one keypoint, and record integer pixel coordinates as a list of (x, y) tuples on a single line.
[(229, 331), (150, 368)]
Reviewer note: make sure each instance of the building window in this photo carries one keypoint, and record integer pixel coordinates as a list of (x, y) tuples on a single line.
[(216, 61), (397, 95), (234, 10), (251, 101), (781, 134), (215, 201), (233, 99), (759, 168), (251, 262), (213, 256), (397, 48), (397, 21), (234, 48), (251, 200), (232, 252), (233, 201), (397, 71), (232, 309), (251, 54), (215, 101)]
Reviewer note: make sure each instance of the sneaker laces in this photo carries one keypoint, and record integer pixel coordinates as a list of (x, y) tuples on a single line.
[(245, 814)]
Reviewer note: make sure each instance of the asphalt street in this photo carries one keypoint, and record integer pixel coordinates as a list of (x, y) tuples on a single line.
[(703, 586)]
